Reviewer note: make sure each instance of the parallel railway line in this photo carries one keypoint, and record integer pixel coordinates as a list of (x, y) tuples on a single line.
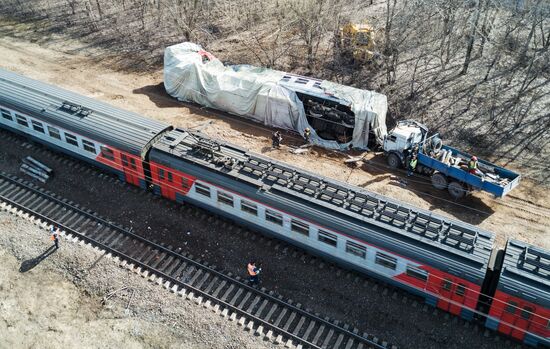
[(258, 310)]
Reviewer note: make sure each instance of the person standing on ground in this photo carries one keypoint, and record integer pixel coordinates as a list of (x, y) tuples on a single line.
[(55, 236), (412, 165), (307, 135), (253, 272), (276, 138)]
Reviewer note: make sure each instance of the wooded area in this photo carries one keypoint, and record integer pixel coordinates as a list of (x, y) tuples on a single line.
[(475, 70)]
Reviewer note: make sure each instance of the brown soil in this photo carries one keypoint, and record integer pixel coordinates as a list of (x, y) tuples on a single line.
[(524, 214)]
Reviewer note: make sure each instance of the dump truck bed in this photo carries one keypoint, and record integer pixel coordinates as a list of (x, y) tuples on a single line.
[(498, 180)]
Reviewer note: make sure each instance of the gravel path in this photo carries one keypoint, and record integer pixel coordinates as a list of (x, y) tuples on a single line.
[(58, 303), (321, 287)]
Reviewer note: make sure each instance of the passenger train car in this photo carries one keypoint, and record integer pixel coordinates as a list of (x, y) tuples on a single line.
[(449, 263)]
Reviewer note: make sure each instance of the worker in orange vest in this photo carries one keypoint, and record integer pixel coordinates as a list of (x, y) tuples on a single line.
[(54, 236), (253, 272)]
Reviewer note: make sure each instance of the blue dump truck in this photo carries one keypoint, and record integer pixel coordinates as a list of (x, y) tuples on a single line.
[(448, 167)]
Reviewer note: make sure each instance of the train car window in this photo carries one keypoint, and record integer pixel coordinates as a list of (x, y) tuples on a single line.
[(548, 325), (327, 238), (185, 183), (511, 307), (386, 260), (54, 133), (447, 284), (162, 174), (107, 153), (249, 207), (133, 163), (124, 159), (21, 120), (527, 312), (225, 199), (460, 290), (356, 249), (202, 189), (417, 273), (170, 177), (71, 139), (88, 146), (37, 126), (6, 114), (299, 227), (274, 217)]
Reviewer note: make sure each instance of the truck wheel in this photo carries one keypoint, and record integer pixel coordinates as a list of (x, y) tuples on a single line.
[(439, 180), (394, 161), (456, 190)]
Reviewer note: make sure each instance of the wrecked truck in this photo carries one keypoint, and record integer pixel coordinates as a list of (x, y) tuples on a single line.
[(340, 117)]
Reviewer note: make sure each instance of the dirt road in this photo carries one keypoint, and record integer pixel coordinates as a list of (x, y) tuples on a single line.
[(525, 214)]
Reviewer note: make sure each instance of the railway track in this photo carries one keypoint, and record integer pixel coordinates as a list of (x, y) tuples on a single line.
[(256, 309)]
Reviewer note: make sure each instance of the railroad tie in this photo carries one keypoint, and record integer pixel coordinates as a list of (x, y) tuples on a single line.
[(261, 308), (236, 296), (318, 334), (227, 292), (203, 280), (253, 304), (280, 317), (338, 341), (289, 321), (328, 338), (309, 329), (299, 326), (271, 312), (244, 300), (218, 290), (211, 284)]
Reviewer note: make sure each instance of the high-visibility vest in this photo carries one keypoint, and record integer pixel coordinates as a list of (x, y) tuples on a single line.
[(251, 270), (413, 163), (472, 165)]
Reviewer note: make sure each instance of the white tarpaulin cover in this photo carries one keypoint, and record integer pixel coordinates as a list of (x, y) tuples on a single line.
[(193, 75)]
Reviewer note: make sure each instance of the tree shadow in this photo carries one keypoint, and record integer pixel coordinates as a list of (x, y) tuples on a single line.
[(33, 262)]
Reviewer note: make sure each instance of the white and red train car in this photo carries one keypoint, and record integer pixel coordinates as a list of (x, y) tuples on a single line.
[(449, 263), (521, 303), (111, 138)]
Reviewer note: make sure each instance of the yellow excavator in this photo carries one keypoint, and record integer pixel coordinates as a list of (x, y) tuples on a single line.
[(355, 43)]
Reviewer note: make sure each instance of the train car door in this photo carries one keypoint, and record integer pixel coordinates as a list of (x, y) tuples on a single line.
[(130, 169), (445, 291), (515, 319), (452, 294)]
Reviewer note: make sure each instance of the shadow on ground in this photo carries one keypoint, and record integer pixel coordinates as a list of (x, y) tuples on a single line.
[(29, 264)]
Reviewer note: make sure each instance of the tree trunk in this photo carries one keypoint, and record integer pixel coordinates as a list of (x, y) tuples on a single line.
[(471, 39)]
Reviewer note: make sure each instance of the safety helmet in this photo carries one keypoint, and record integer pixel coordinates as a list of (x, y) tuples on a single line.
[(474, 158)]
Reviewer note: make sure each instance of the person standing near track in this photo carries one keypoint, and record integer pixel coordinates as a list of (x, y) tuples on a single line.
[(276, 139), (307, 135), (253, 272), (54, 236)]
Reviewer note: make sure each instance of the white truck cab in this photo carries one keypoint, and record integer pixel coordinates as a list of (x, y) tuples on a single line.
[(401, 139)]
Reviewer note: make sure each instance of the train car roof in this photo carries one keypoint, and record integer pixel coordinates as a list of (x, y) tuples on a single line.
[(526, 272), (453, 239), (85, 116)]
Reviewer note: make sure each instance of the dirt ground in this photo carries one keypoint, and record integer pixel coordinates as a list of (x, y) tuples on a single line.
[(58, 303), (524, 214)]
